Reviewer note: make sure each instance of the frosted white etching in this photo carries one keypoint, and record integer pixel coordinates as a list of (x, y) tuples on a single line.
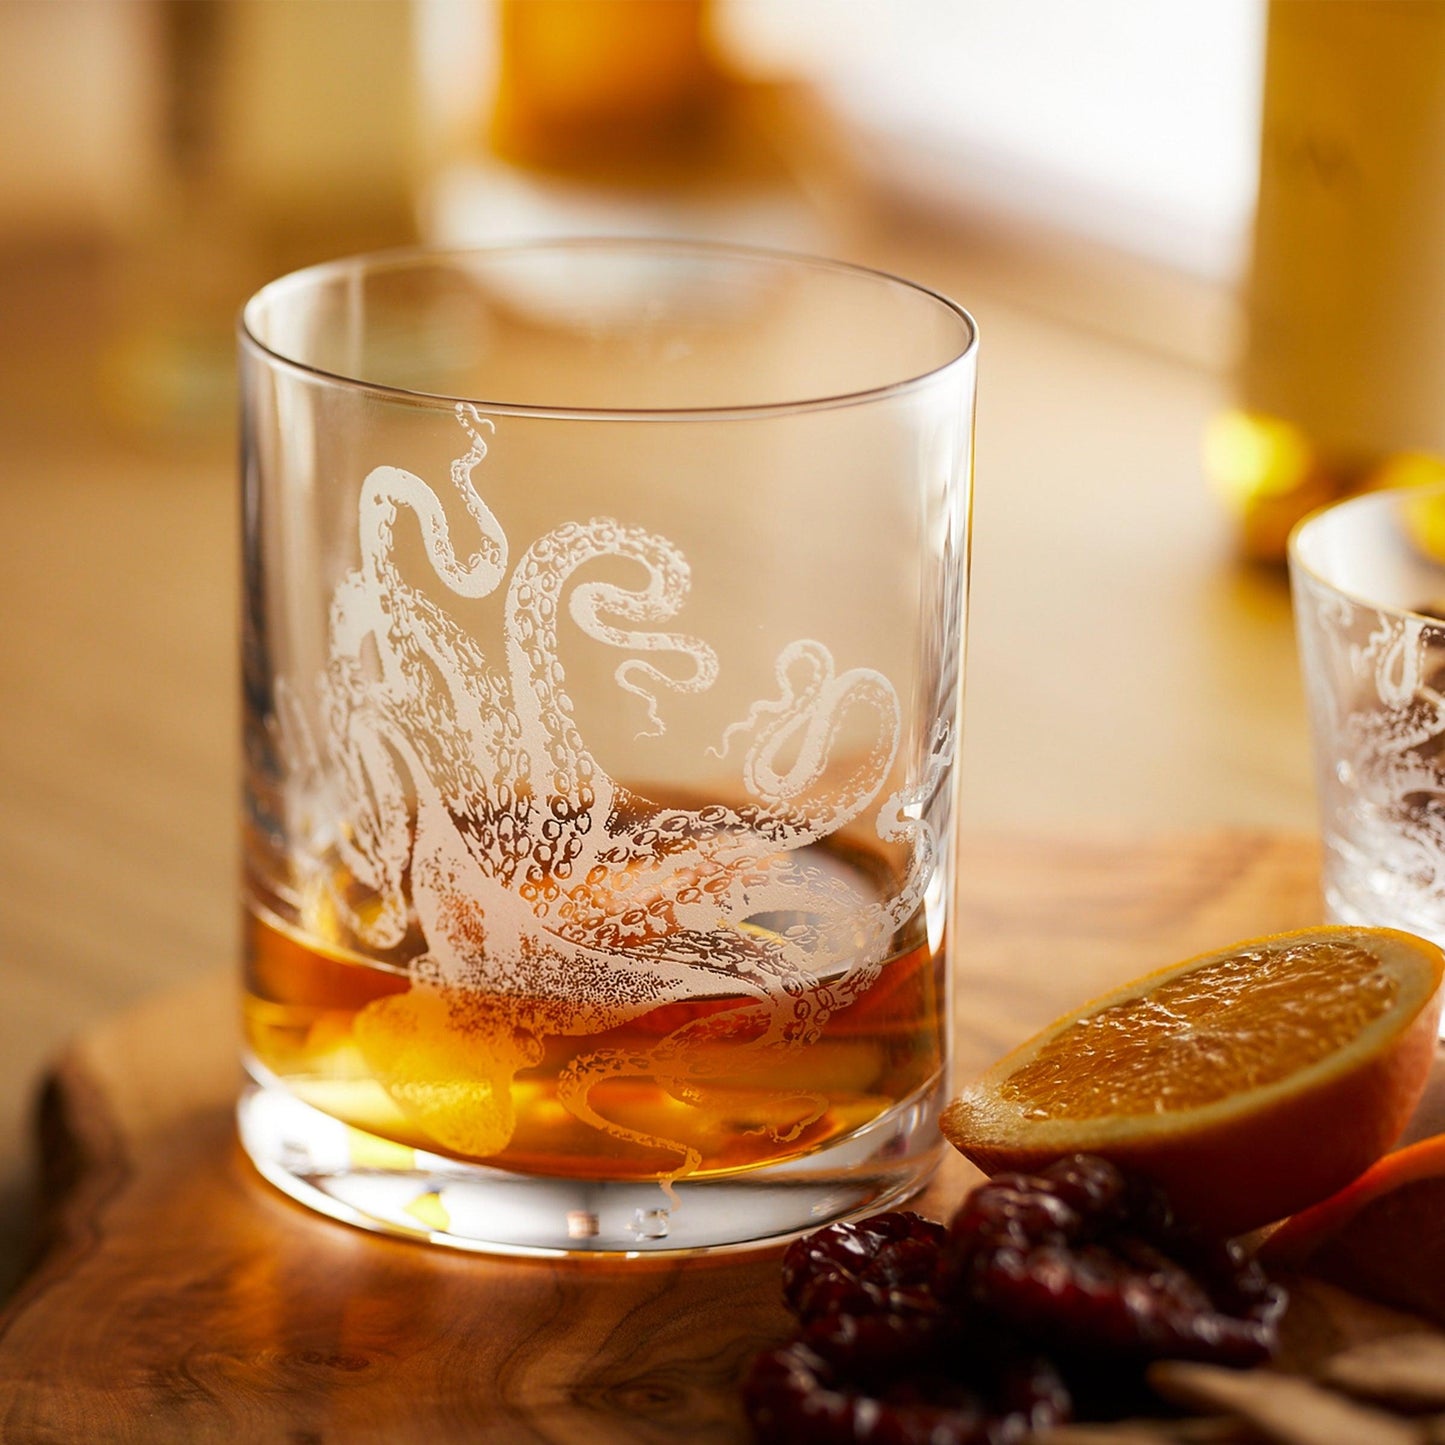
[(552, 899), (1376, 694)]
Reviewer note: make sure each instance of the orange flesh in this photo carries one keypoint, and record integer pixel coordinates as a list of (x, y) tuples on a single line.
[(1240, 1023)]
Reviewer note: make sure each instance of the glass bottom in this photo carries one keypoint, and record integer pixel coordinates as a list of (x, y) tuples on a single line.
[(365, 1180)]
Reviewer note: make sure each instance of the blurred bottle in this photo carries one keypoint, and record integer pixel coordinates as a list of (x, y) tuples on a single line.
[(628, 117), (288, 134), (1342, 386), (602, 87)]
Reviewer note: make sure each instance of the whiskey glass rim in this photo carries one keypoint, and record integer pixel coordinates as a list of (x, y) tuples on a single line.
[(1306, 530), (401, 258)]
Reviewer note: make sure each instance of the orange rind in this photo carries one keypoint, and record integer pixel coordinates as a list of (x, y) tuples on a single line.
[(1248, 1083), (1383, 1236)]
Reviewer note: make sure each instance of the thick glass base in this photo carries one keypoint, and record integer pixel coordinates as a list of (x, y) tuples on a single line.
[(372, 1182)]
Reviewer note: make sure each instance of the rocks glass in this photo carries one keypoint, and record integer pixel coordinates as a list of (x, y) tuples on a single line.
[(1369, 592), (604, 608)]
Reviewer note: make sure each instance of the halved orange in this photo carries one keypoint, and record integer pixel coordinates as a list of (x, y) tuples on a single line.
[(1382, 1236), (1248, 1083)]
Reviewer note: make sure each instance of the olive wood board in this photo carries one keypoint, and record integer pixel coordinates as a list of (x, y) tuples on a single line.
[(175, 1296)]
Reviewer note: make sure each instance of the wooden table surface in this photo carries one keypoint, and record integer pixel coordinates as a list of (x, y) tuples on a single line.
[(1123, 674), (181, 1300)]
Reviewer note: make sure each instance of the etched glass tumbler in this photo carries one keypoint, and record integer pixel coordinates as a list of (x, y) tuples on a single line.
[(1369, 593), (604, 607)]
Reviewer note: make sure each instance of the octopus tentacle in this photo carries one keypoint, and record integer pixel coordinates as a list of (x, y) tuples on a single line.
[(577, 789), (667, 587), (386, 488), (588, 1071), (532, 605), (686, 1060), (420, 648), (810, 715), (901, 819)]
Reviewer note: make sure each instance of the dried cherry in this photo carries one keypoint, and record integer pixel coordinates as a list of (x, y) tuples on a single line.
[(882, 1359), (1085, 1260), (799, 1395), (913, 1334), (885, 1264)]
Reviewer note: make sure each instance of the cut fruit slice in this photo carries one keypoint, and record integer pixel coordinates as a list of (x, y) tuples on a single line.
[(1382, 1237), (1248, 1083)]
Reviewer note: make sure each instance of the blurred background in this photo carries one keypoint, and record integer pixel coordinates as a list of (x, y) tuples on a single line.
[(1205, 242)]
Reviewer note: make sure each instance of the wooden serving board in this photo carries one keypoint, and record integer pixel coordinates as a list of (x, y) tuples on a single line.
[(177, 1297)]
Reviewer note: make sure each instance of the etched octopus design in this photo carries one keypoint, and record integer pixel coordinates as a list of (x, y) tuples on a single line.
[(552, 899), (1394, 745)]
